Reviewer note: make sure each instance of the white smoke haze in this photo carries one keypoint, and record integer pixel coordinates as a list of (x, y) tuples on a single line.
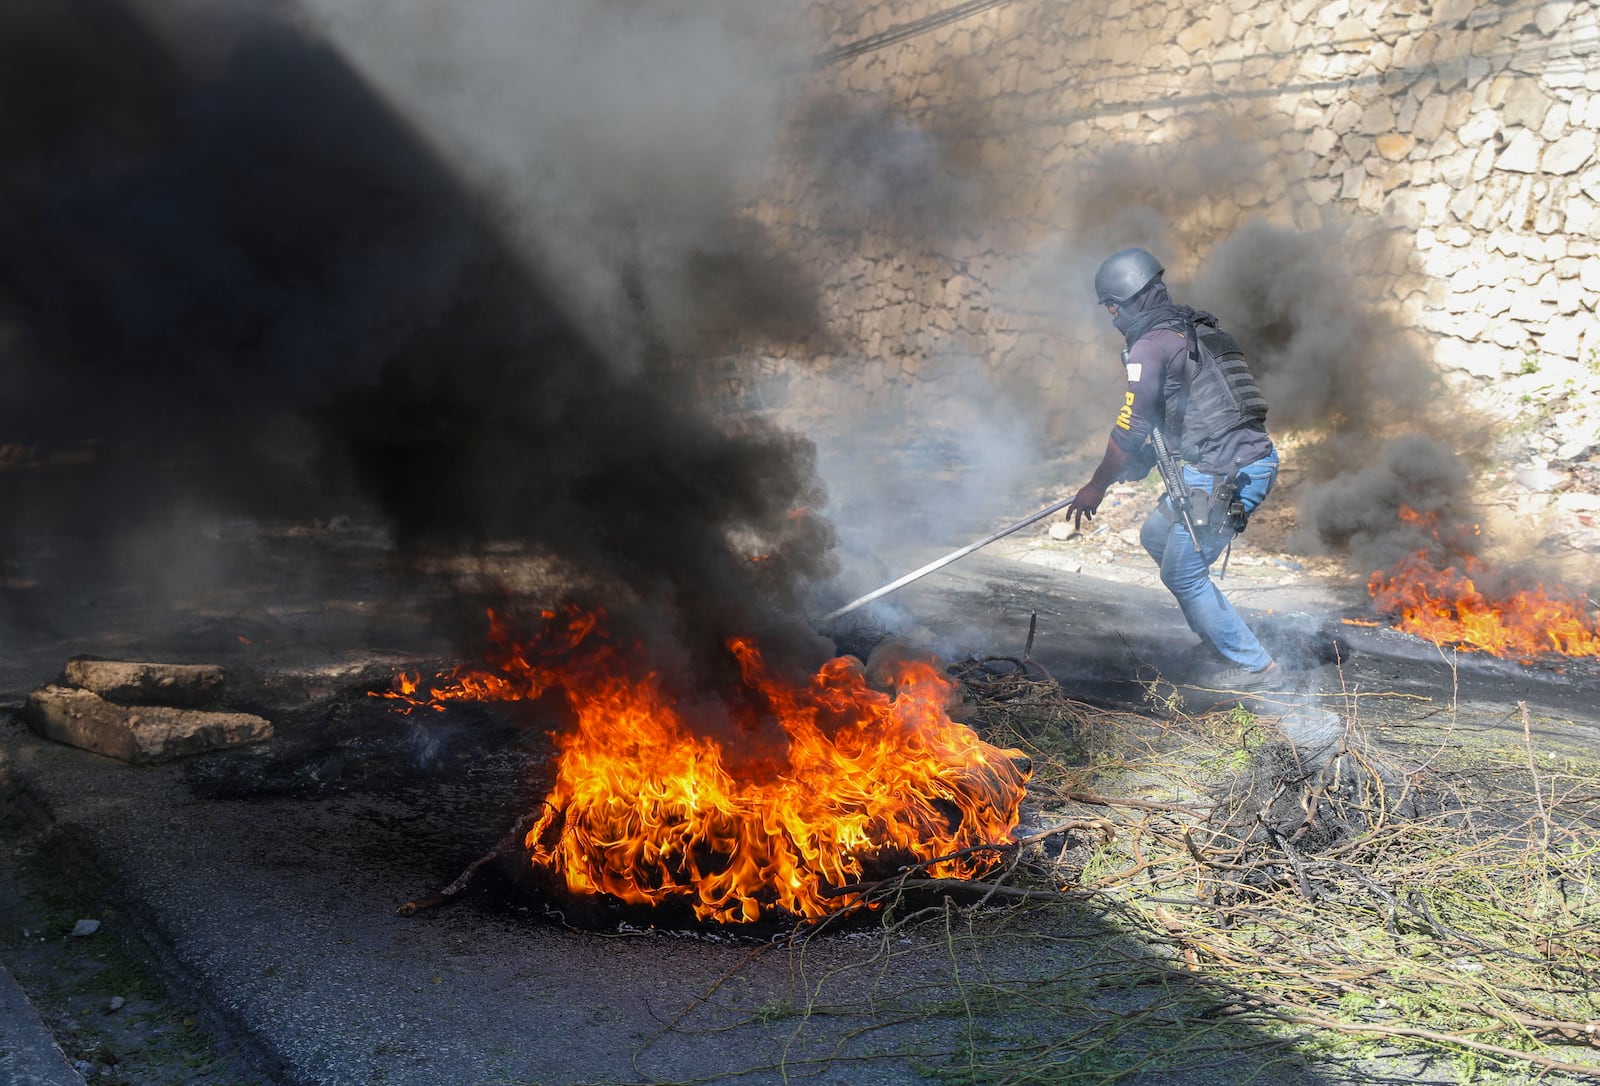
[(935, 468)]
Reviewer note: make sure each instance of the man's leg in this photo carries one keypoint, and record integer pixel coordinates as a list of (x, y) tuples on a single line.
[(1156, 535), (1187, 576), (1153, 533)]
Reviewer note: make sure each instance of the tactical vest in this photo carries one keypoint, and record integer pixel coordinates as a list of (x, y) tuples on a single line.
[(1222, 394)]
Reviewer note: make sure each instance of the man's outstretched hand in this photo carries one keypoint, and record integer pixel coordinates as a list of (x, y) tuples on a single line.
[(1084, 504)]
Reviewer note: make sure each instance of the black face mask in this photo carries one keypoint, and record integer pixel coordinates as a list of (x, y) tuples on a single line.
[(1144, 311)]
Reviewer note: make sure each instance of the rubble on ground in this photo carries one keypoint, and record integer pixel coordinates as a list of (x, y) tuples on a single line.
[(140, 713)]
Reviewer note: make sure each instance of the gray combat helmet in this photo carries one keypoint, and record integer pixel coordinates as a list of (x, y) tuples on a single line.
[(1124, 274)]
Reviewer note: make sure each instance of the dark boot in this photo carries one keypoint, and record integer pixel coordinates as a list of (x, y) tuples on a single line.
[(1237, 678)]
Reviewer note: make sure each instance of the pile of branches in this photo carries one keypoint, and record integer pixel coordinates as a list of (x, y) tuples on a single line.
[(1331, 889)]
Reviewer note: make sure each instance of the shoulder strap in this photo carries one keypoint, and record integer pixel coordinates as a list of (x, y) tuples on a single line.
[(1178, 407)]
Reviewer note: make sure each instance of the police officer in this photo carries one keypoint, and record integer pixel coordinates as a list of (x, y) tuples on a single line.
[(1214, 414)]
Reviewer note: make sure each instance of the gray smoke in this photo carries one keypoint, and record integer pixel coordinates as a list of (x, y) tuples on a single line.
[(1328, 353), (1136, 190), (874, 169), (1332, 357), (927, 444), (616, 144)]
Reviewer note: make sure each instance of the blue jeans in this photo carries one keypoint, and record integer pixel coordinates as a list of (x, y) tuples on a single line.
[(1187, 574)]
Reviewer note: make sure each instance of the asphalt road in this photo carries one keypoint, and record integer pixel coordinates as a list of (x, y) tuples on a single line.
[(268, 881)]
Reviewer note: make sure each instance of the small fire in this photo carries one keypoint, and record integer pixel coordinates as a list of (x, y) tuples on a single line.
[(813, 788), (1450, 606)]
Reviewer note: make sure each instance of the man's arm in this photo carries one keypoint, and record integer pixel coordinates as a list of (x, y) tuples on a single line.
[(1141, 409), (1093, 492)]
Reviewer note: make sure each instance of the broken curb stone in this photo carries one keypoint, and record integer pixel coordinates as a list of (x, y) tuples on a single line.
[(139, 734), (133, 683)]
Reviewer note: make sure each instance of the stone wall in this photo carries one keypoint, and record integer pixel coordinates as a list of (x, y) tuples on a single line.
[(958, 170)]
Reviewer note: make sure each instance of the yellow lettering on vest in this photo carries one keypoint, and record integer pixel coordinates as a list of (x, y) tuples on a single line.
[(1125, 416)]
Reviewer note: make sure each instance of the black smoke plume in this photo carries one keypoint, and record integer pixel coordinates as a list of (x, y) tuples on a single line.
[(1358, 513), (233, 278)]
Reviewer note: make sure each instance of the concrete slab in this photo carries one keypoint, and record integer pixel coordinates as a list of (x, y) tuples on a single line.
[(140, 734), (130, 682)]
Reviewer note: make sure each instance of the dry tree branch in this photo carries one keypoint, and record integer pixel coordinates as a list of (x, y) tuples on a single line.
[(1533, 772), (1289, 1011)]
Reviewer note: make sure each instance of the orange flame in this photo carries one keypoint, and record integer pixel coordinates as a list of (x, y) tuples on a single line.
[(1447, 606), (826, 782)]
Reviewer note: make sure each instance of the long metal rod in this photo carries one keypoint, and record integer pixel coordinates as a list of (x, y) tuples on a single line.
[(940, 563)]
